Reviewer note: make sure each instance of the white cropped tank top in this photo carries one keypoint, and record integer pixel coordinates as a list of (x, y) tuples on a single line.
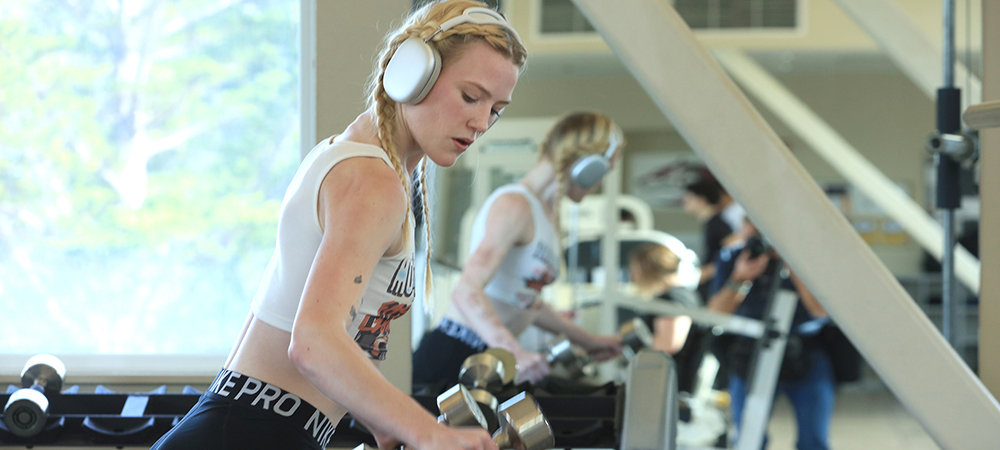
[(390, 291), (525, 270)]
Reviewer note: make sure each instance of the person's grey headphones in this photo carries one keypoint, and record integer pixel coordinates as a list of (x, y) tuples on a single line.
[(416, 64), (591, 168)]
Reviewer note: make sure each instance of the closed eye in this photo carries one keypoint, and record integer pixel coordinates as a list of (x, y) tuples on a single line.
[(469, 99)]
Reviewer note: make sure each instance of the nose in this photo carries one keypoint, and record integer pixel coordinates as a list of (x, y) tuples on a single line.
[(480, 122)]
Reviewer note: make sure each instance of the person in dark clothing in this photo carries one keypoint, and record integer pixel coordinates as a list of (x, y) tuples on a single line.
[(702, 199), (741, 286), (653, 270)]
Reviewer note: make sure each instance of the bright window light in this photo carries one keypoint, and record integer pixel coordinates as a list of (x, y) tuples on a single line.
[(145, 146)]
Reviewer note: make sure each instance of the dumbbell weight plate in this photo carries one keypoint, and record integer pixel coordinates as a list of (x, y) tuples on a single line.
[(488, 405), (523, 426), (482, 371), (26, 412), (508, 360), (459, 409), (45, 370)]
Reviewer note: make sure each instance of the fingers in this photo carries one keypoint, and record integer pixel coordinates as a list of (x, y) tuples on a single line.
[(532, 367)]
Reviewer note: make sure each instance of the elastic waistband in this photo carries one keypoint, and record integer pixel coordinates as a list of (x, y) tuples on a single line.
[(248, 391), (463, 333)]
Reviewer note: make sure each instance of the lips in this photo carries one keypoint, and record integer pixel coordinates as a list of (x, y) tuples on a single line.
[(462, 144)]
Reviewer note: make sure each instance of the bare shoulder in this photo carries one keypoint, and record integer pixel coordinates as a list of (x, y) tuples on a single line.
[(362, 186), (510, 220), (511, 206)]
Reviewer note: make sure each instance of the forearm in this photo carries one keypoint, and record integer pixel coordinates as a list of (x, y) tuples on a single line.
[(479, 314), (337, 367), (726, 300), (707, 273), (549, 320)]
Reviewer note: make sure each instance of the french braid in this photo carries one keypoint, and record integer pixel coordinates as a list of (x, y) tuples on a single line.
[(422, 24)]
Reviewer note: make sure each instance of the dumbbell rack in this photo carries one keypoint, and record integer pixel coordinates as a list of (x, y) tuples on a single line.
[(625, 416), (139, 419)]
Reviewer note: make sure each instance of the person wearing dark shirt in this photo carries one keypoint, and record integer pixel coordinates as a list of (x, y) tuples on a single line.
[(653, 271), (702, 200), (741, 286)]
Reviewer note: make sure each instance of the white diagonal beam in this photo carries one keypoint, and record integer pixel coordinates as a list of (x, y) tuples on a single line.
[(721, 125), (983, 115), (847, 161), (914, 52)]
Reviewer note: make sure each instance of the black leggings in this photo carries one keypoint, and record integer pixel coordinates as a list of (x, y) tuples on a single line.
[(437, 360), (218, 422)]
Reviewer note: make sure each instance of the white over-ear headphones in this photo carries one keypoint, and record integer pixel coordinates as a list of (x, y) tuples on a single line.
[(591, 168), (416, 64)]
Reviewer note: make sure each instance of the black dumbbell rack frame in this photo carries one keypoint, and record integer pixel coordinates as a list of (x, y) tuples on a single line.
[(591, 419)]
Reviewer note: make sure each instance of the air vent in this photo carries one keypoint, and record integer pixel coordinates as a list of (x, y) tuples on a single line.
[(737, 14), (562, 16)]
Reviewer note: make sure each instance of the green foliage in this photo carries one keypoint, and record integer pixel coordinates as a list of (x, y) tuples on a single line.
[(144, 150)]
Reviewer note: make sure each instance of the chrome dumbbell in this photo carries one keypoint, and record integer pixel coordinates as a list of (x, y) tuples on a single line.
[(482, 371), (486, 374), (459, 409), (27, 409), (523, 426), (509, 363), (571, 359)]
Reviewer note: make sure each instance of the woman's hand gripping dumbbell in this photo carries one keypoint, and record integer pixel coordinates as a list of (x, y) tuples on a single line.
[(522, 426)]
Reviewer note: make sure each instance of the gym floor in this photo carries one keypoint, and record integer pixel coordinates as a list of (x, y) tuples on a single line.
[(867, 416)]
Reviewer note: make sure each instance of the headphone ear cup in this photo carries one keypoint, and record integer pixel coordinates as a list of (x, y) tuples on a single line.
[(589, 170), (411, 71)]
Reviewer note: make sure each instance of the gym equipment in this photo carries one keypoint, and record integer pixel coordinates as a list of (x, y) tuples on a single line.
[(489, 406), (523, 426), (635, 336), (482, 371), (650, 421), (26, 411), (591, 418), (416, 64), (508, 360), (459, 409)]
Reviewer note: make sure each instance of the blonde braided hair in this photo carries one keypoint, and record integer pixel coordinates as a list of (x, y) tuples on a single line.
[(574, 136), (422, 23)]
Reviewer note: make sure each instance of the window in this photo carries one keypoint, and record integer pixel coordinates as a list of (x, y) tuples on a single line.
[(145, 146), (563, 17)]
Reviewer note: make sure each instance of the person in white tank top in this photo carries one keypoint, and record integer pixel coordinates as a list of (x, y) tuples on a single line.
[(342, 269), (515, 252)]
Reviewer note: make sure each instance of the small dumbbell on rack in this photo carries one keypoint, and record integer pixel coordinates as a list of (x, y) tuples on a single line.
[(27, 409), (576, 363), (486, 374)]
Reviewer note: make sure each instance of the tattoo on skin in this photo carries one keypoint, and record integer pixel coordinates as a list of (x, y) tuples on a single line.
[(357, 280)]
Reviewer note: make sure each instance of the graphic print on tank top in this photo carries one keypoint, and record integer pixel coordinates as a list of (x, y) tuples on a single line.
[(373, 327), (544, 273)]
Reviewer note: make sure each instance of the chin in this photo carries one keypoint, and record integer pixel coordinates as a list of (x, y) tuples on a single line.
[(444, 160)]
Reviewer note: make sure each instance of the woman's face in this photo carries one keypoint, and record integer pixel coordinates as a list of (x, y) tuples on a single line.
[(466, 98)]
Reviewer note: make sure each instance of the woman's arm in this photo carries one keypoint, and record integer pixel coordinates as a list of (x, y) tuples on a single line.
[(670, 333), (601, 347), (362, 207), (508, 223)]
